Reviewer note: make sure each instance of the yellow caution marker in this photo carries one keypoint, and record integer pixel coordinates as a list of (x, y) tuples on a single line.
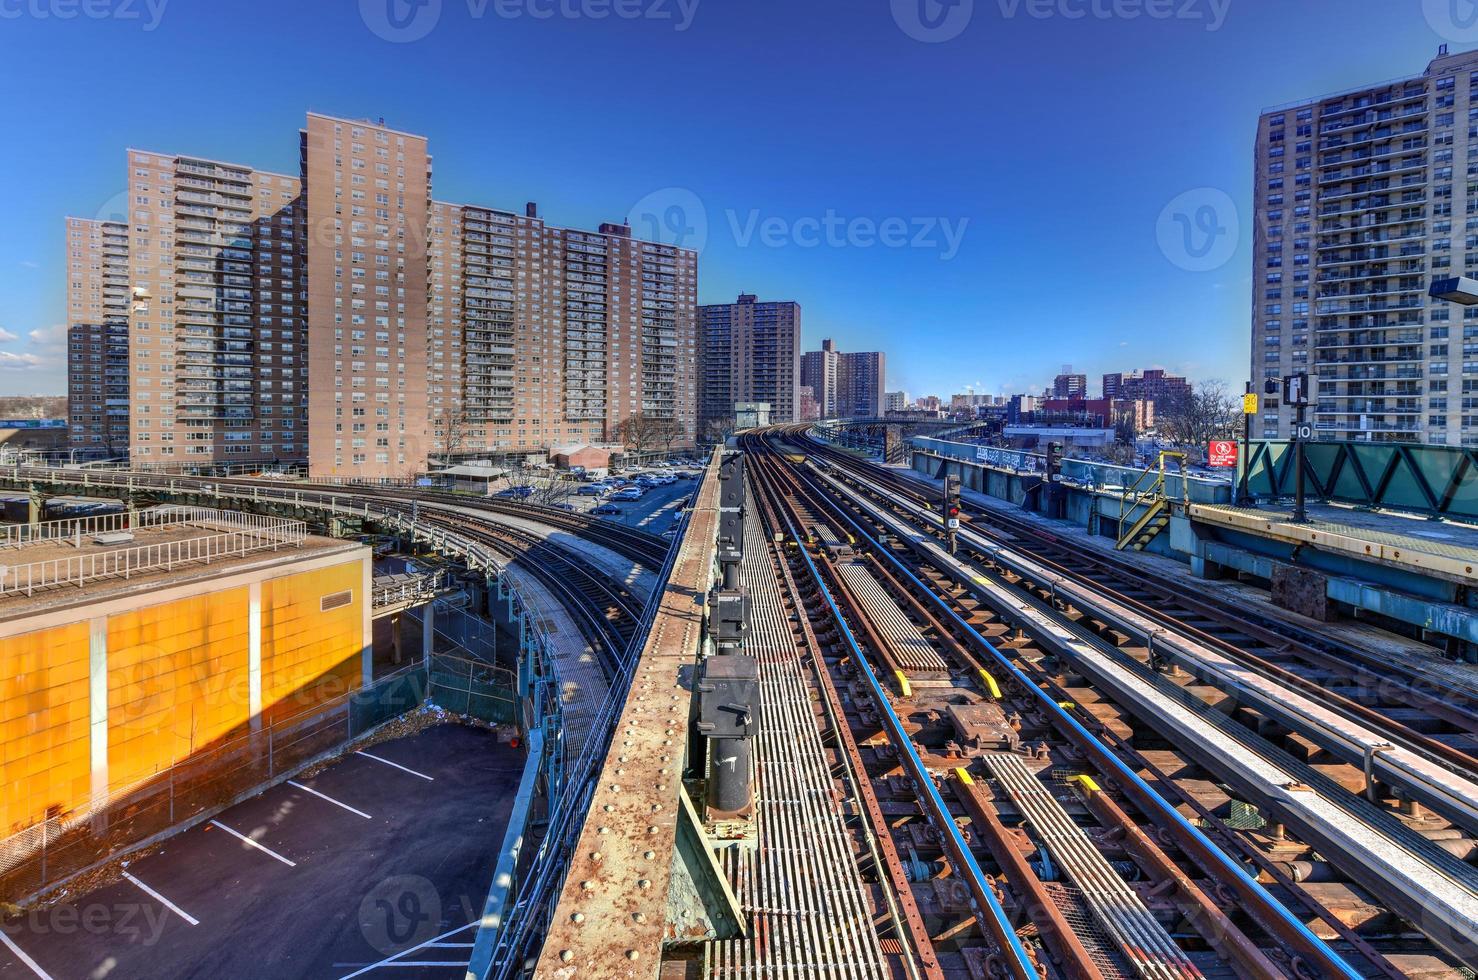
[(903, 684), (1087, 783), (963, 775), (1066, 705), (991, 686)]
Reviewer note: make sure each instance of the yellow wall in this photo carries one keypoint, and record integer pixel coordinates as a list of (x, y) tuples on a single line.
[(309, 656), (44, 719), (178, 683)]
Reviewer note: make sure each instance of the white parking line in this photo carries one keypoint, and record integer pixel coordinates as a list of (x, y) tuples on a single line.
[(324, 796), (35, 967), (429, 779), (166, 902), (391, 960), (261, 847)]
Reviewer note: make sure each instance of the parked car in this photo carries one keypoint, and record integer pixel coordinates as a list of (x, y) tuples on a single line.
[(604, 510), (592, 490), (630, 493), (517, 493)]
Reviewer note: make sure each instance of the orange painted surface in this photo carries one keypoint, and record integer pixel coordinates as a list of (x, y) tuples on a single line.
[(308, 656), (177, 681), (177, 684), (44, 760)]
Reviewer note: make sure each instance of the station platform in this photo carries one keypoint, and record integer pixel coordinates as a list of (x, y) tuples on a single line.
[(1409, 569), (1241, 559), (1438, 548)]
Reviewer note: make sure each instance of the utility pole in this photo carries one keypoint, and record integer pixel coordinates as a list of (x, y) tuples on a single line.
[(1244, 464)]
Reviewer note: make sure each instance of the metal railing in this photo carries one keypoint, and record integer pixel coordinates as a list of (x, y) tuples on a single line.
[(235, 535)]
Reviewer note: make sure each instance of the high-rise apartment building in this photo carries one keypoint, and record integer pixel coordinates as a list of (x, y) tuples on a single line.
[(1069, 385), (1362, 198), (98, 300), (368, 197), (215, 332), (819, 373), (543, 336), (1154, 385), (860, 380), (847, 384), (342, 319), (749, 352)]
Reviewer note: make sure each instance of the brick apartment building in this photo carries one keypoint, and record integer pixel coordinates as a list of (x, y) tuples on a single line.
[(342, 319)]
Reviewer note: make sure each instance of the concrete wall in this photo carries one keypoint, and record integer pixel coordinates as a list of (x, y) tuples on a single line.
[(123, 718)]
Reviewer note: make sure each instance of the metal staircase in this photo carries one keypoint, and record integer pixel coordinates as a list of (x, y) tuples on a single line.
[(1147, 492)]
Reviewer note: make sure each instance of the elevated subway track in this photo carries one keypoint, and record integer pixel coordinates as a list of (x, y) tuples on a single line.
[(1365, 835)]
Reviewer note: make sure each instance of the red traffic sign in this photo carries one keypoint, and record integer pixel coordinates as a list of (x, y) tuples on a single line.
[(1222, 454)]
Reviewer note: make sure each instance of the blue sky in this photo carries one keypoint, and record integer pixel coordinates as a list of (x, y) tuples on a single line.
[(986, 191)]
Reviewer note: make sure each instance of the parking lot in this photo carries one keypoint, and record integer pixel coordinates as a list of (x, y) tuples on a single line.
[(656, 511), (387, 853)]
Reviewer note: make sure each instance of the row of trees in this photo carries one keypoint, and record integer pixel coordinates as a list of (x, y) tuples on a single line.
[(1209, 412)]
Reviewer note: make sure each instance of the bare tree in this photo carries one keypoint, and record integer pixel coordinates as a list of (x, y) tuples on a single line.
[(451, 430), (642, 433), (1208, 412), (717, 430)]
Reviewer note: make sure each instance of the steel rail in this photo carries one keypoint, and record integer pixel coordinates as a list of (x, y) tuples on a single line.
[(1016, 960), (1274, 916)]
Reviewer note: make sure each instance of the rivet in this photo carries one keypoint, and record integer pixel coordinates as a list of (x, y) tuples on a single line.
[(578, 917), (587, 884), (603, 830), (566, 955), (609, 807), (652, 829), (644, 883), (656, 806), (632, 954), (596, 856), (639, 916), (649, 854)]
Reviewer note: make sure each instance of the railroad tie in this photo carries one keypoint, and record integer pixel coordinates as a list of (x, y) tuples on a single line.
[(1143, 941)]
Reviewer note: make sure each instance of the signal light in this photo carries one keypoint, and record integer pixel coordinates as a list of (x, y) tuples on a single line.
[(954, 512)]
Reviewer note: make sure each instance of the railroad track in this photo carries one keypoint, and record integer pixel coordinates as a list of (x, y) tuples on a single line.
[(607, 611), (1365, 680), (1018, 658)]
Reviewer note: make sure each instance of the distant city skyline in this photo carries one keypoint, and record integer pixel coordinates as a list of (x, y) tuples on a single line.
[(949, 235)]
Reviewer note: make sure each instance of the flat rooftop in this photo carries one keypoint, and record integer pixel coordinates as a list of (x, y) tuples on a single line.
[(84, 559)]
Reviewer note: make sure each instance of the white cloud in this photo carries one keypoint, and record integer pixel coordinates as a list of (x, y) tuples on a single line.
[(52, 336), (20, 362), (6, 336), (28, 264)]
